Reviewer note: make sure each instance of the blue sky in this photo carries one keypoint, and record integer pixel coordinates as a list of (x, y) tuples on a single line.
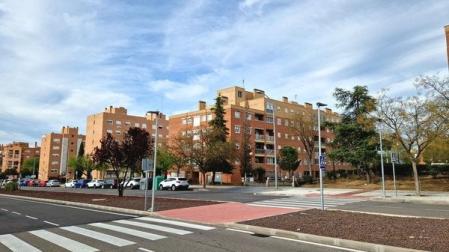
[(63, 60)]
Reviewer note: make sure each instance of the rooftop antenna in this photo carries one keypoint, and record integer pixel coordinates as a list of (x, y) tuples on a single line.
[(296, 98)]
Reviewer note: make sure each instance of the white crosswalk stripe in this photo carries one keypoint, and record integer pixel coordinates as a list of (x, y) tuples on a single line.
[(102, 233), (119, 242), (15, 244), (60, 240), (302, 202)]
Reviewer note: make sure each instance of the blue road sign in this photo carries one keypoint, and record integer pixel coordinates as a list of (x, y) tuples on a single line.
[(322, 162)]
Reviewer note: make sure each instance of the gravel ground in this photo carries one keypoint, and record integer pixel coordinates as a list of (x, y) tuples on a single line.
[(416, 233), (130, 202)]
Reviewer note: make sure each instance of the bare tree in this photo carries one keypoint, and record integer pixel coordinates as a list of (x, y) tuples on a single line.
[(180, 148), (414, 124), (304, 127)]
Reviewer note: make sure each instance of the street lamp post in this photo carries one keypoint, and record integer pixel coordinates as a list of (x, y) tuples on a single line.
[(275, 147), (154, 159), (382, 160), (319, 104)]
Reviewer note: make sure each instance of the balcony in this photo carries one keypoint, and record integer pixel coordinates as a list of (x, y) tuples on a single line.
[(270, 138), (260, 137), (269, 152), (260, 152)]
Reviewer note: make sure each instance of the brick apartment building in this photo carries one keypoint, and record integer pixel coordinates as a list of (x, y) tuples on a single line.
[(14, 154), (116, 121), (56, 150), (258, 110)]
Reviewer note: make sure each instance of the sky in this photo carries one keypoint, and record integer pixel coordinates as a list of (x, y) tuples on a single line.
[(63, 60)]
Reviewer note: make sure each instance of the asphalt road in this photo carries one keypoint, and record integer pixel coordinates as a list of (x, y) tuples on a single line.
[(18, 215), (411, 209), (236, 194), (82, 229)]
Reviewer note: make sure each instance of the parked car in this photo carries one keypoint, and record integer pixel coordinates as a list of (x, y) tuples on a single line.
[(132, 183), (42, 183), (109, 183), (174, 183), (70, 184), (53, 183), (24, 182), (81, 183), (33, 182), (96, 183)]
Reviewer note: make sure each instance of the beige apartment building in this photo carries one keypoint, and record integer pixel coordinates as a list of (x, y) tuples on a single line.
[(116, 121), (56, 151), (14, 154), (255, 109)]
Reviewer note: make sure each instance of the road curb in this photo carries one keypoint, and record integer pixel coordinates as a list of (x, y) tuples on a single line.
[(422, 201), (388, 215), (79, 204), (350, 244)]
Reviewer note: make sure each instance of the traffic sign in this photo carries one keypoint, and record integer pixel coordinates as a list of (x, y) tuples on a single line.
[(394, 157), (147, 164), (322, 162)]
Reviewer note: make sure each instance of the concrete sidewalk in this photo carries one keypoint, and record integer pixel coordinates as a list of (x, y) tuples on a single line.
[(438, 198), (308, 192)]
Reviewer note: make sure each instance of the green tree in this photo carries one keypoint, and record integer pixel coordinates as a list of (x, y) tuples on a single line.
[(29, 165), (288, 159), (180, 149), (355, 136), (165, 159), (82, 165), (246, 164)]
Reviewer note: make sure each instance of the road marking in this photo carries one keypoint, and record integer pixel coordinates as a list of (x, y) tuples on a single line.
[(16, 213), (6, 210), (31, 217), (99, 236), (63, 242), (155, 227), (177, 223), (75, 207), (317, 244), (51, 223), (240, 231), (146, 250), (133, 232), (16, 245)]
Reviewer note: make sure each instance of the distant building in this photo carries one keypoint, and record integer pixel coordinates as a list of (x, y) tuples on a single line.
[(116, 122), (256, 110), (56, 150), (446, 28), (14, 154)]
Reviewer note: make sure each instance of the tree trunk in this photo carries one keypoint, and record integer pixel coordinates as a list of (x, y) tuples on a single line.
[(335, 172), (204, 179), (178, 170), (309, 164), (213, 177), (120, 190), (416, 177)]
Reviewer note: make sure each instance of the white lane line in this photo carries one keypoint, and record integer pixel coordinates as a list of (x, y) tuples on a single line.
[(75, 207), (317, 244), (6, 210), (16, 245), (128, 231), (146, 250), (176, 223), (99, 236), (51, 223), (240, 231), (154, 227), (63, 242), (31, 217), (16, 213)]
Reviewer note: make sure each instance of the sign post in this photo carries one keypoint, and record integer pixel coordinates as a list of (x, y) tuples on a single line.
[(394, 159), (146, 167)]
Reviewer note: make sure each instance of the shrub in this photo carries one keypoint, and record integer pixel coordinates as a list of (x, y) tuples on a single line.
[(307, 179), (11, 186)]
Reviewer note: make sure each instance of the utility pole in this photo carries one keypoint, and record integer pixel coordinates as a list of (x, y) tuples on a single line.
[(154, 160), (319, 104), (382, 160)]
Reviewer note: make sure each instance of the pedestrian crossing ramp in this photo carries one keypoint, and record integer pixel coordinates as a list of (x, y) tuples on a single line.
[(304, 203), (98, 236)]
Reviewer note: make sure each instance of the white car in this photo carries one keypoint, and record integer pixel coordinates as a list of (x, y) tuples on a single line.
[(133, 183), (70, 184), (96, 183), (174, 183), (52, 183)]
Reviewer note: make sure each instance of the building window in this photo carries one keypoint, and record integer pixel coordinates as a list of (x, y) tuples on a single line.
[(137, 125), (56, 140), (54, 162), (248, 116), (144, 125), (237, 114), (279, 135), (270, 160), (56, 147), (184, 121), (279, 121), (118, 122), (203, 118), (269, 119), (109, 131), (118, 132), (279, 147), (237, 146), (127, 123), (109, 122), (286, 123), (239, 94), (237, 129), (286, 136), (286, 110)]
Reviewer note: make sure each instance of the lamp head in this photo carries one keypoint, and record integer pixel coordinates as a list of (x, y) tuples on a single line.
[(320, 104)]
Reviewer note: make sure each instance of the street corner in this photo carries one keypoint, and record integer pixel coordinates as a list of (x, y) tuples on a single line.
[(224, 213)]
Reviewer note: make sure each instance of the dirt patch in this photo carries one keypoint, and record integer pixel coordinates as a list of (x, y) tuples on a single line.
[(416, 233), (427, 184), (130, 202)]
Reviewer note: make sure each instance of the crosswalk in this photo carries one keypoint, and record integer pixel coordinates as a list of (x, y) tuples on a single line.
[(303, 202), (110, 236)]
